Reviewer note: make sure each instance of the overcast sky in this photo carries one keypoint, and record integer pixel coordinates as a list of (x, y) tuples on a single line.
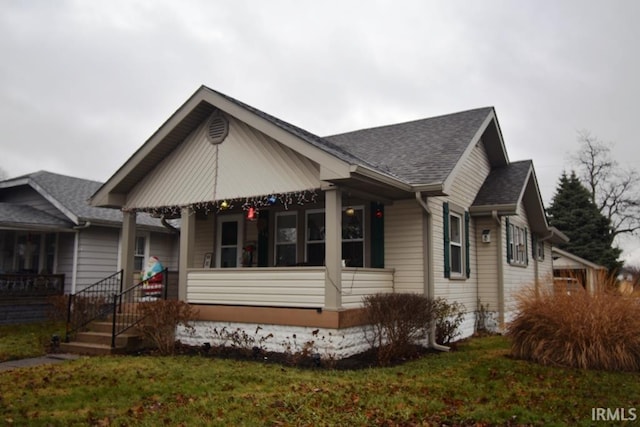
[(84, 83)]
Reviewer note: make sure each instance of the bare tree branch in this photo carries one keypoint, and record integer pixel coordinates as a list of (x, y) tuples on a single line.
[(615, 191)]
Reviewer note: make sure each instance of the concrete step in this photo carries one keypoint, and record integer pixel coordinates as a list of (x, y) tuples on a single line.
[(123, 340), (96, 339), (86, 348)]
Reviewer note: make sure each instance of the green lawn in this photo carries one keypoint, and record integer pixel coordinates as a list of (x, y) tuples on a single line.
[(478, 384), (27, 340)]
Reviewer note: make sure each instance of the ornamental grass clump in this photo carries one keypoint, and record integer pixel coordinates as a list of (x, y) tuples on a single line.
[(599, 330)]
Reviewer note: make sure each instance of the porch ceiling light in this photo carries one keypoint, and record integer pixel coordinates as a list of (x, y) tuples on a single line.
[(350, 211)]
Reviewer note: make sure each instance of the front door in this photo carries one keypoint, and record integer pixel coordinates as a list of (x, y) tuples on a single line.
[(229, 241)]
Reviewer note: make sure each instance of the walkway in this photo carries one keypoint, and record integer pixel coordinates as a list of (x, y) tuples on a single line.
[(37, 361)]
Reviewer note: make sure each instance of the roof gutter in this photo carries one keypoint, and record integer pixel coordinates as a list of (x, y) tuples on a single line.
[(380, 177), (428, 261)]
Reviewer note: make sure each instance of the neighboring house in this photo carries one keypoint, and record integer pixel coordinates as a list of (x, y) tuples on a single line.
[(287, 230), (48, 228), (570, 270)]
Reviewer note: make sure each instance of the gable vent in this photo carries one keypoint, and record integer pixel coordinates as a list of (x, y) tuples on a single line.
[(218, 128)]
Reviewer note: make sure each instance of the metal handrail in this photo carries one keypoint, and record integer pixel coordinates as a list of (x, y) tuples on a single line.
[(91, 303), (126, 313)]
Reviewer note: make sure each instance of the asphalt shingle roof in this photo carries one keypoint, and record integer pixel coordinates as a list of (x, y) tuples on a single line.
[(504, 185), (418, 152), (73, 194), (17, 214)]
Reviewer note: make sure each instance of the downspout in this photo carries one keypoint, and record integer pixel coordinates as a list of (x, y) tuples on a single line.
[(76, 250), (495, 216), (429, 274)]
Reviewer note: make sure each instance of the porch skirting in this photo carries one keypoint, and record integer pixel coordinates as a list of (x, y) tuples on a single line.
[(327, 343)]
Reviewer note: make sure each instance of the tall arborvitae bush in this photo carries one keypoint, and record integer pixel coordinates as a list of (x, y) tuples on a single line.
[(599, 330)]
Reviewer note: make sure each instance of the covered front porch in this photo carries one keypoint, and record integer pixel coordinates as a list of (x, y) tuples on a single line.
[(317, 249)]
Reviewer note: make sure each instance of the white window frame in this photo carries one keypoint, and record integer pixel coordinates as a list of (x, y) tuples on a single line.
[(144, 255), (277, 243), (459, 246), (239, 218), (517, 244)]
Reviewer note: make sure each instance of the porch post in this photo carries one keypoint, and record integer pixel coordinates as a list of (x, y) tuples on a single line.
[(127, 247), (187, 239), (333, 249)]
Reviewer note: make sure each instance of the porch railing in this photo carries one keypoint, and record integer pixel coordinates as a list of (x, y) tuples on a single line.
[(31, 285), (92, 303), (126, 312)]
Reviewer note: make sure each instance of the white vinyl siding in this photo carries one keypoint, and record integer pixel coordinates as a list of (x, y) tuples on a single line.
[(359, 282), (247, 163), (204, 240), (488, 259), (276, 287), (97, 255), (516, 276), (404, 245), (470, 177)]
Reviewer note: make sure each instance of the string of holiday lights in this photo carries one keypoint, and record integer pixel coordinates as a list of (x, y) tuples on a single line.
[(248, 204)]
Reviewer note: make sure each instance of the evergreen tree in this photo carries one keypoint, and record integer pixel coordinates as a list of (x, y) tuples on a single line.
[(573, 212)]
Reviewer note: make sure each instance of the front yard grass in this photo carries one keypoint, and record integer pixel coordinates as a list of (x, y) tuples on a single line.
[(476, 385), (27, 340)]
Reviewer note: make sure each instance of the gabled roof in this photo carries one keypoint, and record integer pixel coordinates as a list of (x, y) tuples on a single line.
[(420, 155), (558, 254), (69, 195), (420, 152), (23, 216), (508, 186)]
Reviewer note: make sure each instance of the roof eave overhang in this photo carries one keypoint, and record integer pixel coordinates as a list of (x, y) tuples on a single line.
[(367, 172), (429, 190), (494, 145), (577, 259), (488, 210)]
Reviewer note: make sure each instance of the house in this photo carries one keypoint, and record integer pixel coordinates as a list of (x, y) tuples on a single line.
[(48, 232), (571, 271), (286, 230)]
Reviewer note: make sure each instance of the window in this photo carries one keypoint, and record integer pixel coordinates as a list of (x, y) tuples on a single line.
[(139, 253), (315, 237), (456, 243), (352, 237), (517, 251), (286, 238)]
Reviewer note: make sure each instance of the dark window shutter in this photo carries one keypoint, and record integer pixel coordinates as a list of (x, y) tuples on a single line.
[(377, 235), (467, 240), (534, 246), (508, 239), (526, 247), (445, 232)]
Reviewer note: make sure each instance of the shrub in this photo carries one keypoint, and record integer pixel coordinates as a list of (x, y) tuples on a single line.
[(161, 318), (449, 316), (577, 329), (396, 322)]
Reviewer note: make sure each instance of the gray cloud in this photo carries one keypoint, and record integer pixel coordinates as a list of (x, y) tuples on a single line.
[(84, 84)]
